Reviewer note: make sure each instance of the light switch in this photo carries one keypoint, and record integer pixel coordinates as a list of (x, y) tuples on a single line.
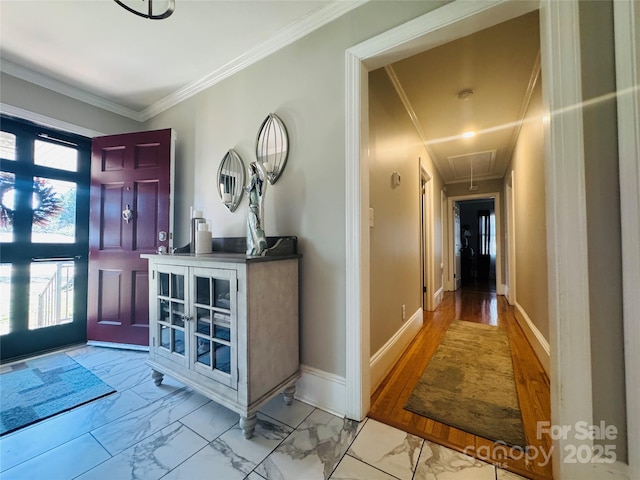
[(370, 217)]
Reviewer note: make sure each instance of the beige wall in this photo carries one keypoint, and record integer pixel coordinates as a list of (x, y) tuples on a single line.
[(603, 218), (395, 270), (527, 163)]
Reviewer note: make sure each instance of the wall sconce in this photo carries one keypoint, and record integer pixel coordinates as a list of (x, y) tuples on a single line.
[(231, 180), (272, 147)]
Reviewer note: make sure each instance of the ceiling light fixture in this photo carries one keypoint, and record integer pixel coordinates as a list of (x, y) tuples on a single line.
[(149, 14), (468, 134)]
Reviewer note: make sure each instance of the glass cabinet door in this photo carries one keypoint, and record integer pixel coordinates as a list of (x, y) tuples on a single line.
[(213, 338), (171, 333)]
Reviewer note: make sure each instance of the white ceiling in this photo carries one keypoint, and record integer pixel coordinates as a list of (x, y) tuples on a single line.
[(96, 51), (97, 47)]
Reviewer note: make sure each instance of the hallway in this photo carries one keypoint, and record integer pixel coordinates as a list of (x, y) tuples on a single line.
[(532, 383)]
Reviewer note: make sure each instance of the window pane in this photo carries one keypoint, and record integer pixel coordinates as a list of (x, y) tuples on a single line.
[(203, 354), (222, 357), (7, 199), (221, 293), (56, 156), (5, 295), (7, 146), (51, 294), (54, 211)]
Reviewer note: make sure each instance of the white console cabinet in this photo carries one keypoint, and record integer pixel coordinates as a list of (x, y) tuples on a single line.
[(226, 325)]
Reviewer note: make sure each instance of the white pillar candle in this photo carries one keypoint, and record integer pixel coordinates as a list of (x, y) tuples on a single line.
[(203, 239)]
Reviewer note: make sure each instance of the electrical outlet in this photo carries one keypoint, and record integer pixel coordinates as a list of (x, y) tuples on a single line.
[(404, 312)]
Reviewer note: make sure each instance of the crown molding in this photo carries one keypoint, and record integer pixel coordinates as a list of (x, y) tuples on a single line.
[(57, 86), (391, 73), (285, 37)]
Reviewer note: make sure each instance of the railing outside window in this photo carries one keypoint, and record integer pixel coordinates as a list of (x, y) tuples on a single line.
[(55, 301)]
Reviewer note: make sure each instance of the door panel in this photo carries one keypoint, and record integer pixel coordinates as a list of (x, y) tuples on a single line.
[(147, 199), (130, 205), (109, 289), (112, 196)]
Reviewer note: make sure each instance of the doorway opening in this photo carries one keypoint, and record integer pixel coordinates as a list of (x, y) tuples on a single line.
[(478, 245)]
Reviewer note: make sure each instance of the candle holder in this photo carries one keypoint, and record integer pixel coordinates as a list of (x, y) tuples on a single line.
[(272, 147), (231, 180)]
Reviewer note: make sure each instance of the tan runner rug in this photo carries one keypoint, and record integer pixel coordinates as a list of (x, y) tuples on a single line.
[(469, 384)]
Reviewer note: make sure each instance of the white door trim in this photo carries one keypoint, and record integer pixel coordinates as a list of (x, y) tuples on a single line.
[(48, 121), (627, 51), (427, 242), (510, 231)]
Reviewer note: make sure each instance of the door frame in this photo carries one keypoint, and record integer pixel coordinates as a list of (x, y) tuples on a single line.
[(510, 231), (497, 208), (627, 51), (426, 236), (570, 339)]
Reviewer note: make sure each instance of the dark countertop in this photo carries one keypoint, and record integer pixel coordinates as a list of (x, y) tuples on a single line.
[(220, 257)]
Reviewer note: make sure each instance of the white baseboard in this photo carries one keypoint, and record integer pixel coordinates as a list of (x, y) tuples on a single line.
[(384, 359), (321, 389), (539, 344), (501, 289), (437, 297)]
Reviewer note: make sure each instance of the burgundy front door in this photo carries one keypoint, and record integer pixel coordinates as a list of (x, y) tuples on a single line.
[(130, 215)]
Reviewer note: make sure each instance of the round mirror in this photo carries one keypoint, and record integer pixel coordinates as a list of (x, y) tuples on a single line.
[(272, 147), (231, 180)]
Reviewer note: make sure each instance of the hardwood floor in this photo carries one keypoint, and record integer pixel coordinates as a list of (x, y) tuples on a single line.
[(532, 386)]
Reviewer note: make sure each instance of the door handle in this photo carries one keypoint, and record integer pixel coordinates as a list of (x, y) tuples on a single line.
[(127, 214)]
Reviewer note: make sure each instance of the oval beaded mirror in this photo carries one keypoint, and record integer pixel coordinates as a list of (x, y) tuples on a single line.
[(272, 147), (231, 180)]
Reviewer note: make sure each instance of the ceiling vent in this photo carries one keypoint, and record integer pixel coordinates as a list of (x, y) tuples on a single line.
[(483, 164)]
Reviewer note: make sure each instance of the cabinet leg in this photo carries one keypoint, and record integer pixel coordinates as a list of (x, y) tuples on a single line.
[(248, 425), (288, 394), (157, 377)]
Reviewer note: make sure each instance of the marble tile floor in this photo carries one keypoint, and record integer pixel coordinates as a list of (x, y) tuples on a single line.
[(171, 432)]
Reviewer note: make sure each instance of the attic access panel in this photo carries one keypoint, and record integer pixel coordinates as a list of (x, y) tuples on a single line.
[(483, 164)]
